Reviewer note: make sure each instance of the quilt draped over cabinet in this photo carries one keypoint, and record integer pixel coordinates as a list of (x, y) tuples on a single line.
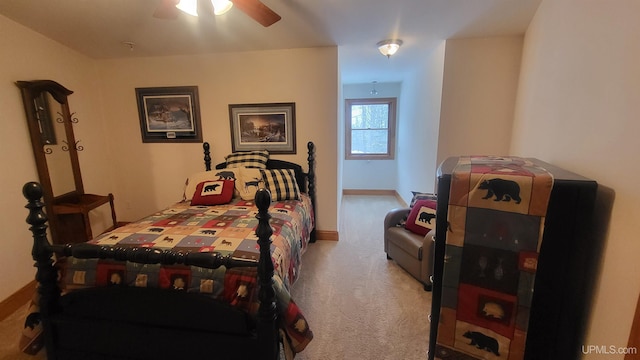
[(496, 217)]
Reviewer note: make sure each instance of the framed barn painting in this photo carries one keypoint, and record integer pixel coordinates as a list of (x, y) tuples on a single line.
[(169, 114), (270, 126)]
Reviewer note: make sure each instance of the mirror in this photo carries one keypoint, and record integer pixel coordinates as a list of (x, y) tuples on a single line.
[(54, 146), (51, 125)]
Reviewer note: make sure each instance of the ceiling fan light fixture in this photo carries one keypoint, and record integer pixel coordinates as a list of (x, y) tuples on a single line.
[(221, 6), (188, 6), (389, 47)]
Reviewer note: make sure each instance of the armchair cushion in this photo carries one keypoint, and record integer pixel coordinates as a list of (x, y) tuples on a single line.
[(407, 241)]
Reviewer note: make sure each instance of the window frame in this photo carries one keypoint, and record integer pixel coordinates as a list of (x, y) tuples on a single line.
[(391, 128)]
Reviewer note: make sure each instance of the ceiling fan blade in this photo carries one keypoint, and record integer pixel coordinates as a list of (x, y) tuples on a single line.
[(258, 11), (167, 10)]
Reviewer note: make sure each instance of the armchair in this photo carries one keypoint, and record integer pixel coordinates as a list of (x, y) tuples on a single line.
[(413, 252)]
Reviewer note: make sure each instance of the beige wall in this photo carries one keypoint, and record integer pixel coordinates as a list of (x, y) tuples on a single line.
[(146, 177), (578, 106), (30, 56), (478, 95), (149, 177)]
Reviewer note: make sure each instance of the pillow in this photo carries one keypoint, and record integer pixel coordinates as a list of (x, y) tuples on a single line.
[(215, 192), (281, 183), (192, 181), (248, 182), (421, 196), (251, 159), (422, 217)]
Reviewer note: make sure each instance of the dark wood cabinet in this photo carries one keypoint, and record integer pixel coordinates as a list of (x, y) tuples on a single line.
[(566, 269)]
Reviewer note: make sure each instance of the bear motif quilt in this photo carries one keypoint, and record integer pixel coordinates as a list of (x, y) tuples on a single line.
[(496, 214)]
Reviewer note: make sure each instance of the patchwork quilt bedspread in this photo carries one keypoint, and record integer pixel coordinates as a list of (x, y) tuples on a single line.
[(228, 229)]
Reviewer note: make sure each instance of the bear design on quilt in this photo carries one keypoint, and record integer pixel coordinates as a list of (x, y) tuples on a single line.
[(482, 341), (504, 190)]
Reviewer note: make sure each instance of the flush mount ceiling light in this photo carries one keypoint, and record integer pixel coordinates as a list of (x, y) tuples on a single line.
[(389, 47)]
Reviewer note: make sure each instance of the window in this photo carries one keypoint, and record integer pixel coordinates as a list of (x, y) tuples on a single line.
[(371, 128)]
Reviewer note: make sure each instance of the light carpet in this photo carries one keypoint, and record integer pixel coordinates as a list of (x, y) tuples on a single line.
[(359, 304)]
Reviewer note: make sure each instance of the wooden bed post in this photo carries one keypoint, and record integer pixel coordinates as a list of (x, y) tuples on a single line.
[(46, 274), (311, 177), (207, 156), (267, 327)]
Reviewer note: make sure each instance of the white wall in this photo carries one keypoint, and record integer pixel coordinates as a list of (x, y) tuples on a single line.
[(370, 174), (577, 107), (461, 103), (478, 95), (417, 141)]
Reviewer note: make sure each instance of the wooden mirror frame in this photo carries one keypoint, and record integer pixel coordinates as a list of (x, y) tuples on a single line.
[(31, 92)]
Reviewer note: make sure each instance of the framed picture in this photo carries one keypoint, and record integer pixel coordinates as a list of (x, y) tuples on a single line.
[(263, 126), (169, 114)]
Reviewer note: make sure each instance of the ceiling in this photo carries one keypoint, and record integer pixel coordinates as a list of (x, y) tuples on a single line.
[(98, 28)]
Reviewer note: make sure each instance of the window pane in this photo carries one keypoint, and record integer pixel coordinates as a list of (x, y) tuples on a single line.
[(369, 142), (374, 116), (370, 128)]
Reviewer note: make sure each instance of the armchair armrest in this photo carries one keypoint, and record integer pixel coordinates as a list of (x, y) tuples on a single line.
[(428, 242), (394, 217)]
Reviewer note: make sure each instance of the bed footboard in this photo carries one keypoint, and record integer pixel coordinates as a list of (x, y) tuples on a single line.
[(73, 329)]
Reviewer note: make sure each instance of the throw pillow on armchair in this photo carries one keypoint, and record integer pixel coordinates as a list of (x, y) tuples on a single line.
[(422, 217)]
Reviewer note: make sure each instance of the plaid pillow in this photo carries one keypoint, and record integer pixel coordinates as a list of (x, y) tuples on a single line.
[(281, 183), (251, 159), (421, 196)]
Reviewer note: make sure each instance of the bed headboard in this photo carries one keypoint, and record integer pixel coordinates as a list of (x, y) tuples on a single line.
[(305, 180)]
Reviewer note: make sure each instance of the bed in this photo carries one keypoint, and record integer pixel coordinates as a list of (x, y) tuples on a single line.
[(193, 281)]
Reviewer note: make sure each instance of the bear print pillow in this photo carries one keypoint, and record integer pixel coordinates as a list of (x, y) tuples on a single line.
[(213, 192), (422, 217)]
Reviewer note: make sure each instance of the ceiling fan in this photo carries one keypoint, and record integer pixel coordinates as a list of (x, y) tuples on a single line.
[(169, 9)]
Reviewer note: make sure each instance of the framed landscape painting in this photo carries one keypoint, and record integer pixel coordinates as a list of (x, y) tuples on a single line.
[(270, 126), (169, 114)]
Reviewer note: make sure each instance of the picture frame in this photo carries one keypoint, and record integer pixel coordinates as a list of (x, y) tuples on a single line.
[(169, 114), (266, 126)]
